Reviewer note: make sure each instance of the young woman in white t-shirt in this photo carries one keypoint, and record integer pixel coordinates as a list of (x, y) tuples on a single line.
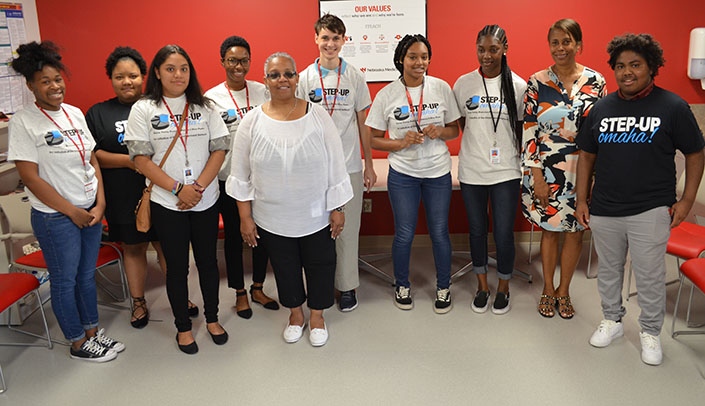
[(51, 147), (185, 193), (489, 169), (420, 114)]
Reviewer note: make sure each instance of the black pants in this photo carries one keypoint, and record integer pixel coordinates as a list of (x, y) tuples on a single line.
[(176, 229), (315, 253), (233, 245)]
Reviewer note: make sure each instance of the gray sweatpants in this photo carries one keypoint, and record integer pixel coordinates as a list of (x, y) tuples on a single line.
[(645, 235)]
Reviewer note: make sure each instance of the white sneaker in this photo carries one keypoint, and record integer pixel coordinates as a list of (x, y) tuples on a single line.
[(607, 331), (293, 334), (651, 352), (318, 336)]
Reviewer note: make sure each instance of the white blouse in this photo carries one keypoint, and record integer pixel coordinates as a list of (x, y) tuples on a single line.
[(293, 171)]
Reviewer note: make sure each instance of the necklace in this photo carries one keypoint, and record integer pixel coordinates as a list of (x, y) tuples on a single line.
[(296, 102)]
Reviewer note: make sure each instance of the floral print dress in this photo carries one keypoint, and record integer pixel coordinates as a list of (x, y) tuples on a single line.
[(552, 116)]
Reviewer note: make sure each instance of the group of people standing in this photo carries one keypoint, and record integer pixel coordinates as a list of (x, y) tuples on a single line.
[(280, 162)]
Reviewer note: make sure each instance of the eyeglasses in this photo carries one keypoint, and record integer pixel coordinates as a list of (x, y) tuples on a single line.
[(277, 75), (236, 61)]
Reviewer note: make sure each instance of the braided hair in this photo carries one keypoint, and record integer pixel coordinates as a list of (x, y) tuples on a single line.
[(34, 56), (497, 32), (403, 47)]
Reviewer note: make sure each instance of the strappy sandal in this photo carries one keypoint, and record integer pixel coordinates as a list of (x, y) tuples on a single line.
[(546, 306), (244, 313), (565, 307), (271, 304), (139, 304)]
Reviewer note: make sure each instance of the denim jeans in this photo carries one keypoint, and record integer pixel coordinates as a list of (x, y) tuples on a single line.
[(70, 254), (504, 198), (405, 194)]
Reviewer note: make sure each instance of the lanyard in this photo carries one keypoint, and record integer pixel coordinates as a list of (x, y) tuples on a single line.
[(323, 88), (247, 95), (489, 104), (419, 111), (178, 129), (82, 149)]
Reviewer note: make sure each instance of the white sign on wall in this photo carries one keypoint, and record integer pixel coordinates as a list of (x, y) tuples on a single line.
[(373, 29)]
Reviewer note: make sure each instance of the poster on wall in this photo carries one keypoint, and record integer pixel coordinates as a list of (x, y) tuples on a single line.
[(373, 30), (13, 92)]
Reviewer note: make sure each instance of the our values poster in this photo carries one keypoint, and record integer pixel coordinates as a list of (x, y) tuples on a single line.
[(373, 29)]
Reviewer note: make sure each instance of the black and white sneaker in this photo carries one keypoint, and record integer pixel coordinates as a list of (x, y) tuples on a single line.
[(402, 298), (443, 303), (92, 351), (501, 303), (481, 302), (348, 301), (108, 342)]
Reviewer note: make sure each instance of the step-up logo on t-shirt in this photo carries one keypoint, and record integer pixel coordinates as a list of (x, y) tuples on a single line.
[(628, 130)]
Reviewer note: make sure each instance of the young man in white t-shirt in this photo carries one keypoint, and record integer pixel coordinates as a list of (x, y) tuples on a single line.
[(341, 89)]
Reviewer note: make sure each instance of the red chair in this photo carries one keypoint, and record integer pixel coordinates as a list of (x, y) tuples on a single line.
[(15, 289), (687, 241), (18, 236), (694, 271)]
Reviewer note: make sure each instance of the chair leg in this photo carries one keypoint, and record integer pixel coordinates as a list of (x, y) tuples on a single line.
[(674, 333), (47, 337), (2, 381)]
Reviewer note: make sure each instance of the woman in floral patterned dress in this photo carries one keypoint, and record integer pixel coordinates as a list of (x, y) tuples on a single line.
[(556, 101)]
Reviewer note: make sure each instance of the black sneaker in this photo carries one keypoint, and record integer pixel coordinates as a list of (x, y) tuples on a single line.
[(92, 351), (348, 301), (443, 303), (501, 303), (481, 302), (108, 342), (402, 298)]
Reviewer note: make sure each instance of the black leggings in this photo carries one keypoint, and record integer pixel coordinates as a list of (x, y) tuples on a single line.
[(232, 245), (176, 229)]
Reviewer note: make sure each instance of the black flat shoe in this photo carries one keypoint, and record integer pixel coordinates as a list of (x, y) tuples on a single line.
[(141, 304), (245, 313), (188, 348), (271, 305), (219, 339), (193, 311)]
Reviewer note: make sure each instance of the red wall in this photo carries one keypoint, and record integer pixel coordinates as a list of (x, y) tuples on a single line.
[(88, 30)]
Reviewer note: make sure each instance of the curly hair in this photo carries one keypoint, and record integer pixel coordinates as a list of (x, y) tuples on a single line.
[(34, 56), (233, 41), (642, 44), (403, 47), (121, 53)]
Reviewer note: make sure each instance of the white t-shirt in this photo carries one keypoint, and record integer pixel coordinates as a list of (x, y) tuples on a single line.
[(35, 138), (232, 113), (151, 122), (352, 97), (391, 112), (292, 171), (479, 137)]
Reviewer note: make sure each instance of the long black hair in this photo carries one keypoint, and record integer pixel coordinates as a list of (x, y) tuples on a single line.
[(34, 56), (403, 47), (497, 32), (154, 90)]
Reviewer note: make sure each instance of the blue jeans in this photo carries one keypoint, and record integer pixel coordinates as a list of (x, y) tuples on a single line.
[(405, 194), (70, 254), (504, 198)]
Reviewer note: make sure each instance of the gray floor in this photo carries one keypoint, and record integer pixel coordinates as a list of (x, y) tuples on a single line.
[(376, 355)]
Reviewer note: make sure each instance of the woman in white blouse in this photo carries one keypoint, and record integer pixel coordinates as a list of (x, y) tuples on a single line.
[(289, 178)]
